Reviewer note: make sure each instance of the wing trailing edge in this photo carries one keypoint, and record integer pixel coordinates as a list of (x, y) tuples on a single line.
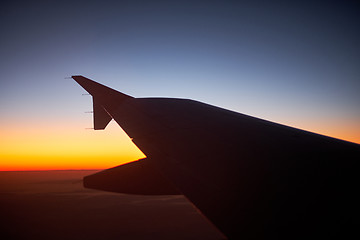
[(105, 100), (101, 117)]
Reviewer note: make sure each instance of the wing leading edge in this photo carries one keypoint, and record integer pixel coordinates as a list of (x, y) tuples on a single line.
[(252, 178)]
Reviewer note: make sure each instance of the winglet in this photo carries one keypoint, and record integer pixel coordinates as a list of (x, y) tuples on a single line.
[(105, 100)]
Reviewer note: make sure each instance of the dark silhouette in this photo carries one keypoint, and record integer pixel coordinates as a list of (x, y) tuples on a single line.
[(253, 179)]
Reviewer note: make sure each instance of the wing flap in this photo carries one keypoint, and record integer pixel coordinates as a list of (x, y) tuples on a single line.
[(138, 177), (101, 117)]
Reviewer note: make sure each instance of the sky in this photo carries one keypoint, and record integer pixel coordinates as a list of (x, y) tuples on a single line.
[(291, 62)]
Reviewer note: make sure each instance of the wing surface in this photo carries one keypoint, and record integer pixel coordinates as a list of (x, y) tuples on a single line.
[(253, 179)]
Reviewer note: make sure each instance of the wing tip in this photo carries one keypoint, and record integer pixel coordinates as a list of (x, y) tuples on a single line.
[(94, 88)]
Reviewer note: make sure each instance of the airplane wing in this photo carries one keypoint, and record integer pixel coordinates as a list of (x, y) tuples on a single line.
[(253, 179)]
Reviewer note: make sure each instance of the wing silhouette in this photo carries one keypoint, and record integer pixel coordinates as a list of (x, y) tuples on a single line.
[(253, 179)]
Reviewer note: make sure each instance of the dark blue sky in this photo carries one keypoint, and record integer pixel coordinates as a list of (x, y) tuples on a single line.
[(293, 62)]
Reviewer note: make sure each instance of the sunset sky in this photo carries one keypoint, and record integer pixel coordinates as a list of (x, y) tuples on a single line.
[(292, 62)]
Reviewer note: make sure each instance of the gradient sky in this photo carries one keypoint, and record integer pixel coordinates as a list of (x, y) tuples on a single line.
[(291, 62)]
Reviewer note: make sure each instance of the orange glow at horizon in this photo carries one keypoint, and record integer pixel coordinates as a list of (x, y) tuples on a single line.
[(68, 145), (49, 148), (340, 128)]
